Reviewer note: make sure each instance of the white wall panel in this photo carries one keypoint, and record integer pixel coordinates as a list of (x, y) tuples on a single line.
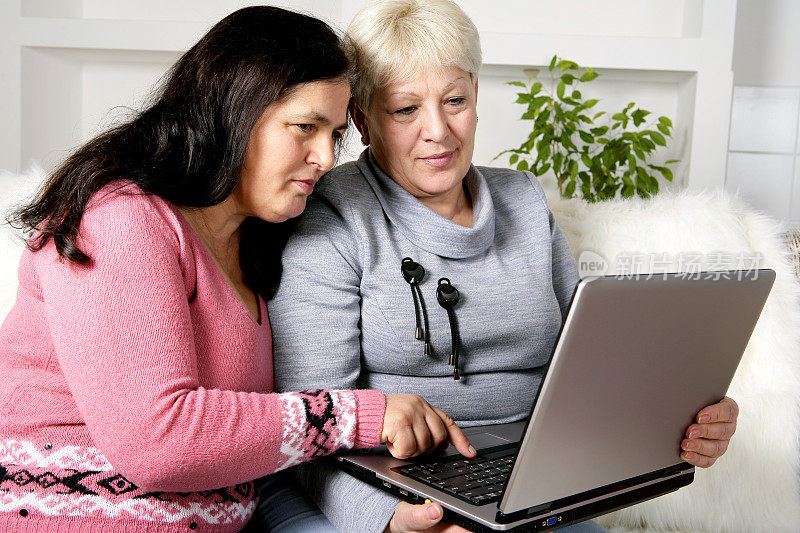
[(764, 119), (670, 56), (795, 208), (200, 11), (767, 43), (763, 180), (113, 90), (50, 106)]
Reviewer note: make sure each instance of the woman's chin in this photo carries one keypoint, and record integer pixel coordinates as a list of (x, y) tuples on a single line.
[(284, 213)]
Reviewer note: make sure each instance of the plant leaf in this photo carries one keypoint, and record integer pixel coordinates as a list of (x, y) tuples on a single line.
[(638, 116), (560, 89), (585, 137), (566, 64), (653, 185), (542, 169), (569, 190), (665, 121), (552, 63), (517, 83), (522, 165), (513, 159), (573, 168), (657, 137), (589, 75)]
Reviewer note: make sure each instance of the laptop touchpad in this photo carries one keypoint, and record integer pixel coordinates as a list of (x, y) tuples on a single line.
[(480, 441)]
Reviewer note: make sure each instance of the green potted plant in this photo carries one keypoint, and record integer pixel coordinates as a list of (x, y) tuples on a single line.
[(594, 161)]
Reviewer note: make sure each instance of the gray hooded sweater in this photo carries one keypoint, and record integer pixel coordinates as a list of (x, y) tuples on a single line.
[(344, 315)]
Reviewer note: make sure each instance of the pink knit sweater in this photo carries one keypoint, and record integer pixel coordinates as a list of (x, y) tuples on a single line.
[(135, 393)]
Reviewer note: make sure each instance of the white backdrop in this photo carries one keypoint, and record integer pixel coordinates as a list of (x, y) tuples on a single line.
[(75, 65)]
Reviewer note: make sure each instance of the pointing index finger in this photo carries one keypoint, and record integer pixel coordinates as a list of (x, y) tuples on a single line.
[(456, 436)]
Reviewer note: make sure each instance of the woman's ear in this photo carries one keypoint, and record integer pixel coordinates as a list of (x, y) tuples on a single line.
[(360, 120)]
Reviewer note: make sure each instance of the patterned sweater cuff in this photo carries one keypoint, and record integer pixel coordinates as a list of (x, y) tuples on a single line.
[(371, 406)]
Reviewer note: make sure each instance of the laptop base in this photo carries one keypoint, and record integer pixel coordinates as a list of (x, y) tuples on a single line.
[(556, 515)]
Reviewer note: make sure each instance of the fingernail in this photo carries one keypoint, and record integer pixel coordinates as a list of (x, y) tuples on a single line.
[(704, 418), (685, 456), (694, 433), (472, 450), (433, 511)]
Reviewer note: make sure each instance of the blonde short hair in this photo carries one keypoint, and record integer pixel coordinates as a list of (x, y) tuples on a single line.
[(393, 40)]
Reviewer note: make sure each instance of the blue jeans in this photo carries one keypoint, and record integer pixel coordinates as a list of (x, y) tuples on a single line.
[(285, 507)]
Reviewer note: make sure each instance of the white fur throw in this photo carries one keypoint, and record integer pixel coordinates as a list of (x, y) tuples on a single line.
[(15, 190), (754, 486)]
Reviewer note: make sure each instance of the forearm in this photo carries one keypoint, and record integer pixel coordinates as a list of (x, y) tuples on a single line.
[(203, 439)]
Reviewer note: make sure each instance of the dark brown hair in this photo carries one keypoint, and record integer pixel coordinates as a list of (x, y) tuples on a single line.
[(188, 147)]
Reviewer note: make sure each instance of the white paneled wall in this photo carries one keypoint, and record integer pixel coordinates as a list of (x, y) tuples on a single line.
[(764, 149), (73, 67)]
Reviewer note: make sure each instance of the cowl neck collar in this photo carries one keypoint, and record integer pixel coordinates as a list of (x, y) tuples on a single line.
[(422, 225)]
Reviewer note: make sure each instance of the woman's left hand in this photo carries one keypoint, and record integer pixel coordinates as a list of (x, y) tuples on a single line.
[(708, 440)]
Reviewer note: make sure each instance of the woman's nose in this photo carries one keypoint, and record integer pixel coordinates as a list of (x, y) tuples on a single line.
[(323, 154), (434, 125)]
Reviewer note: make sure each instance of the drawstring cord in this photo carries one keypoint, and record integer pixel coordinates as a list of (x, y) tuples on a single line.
[(448, 296), (426, 335), (413, 274)]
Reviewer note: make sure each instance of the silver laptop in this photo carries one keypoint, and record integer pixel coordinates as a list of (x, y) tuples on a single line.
[(636, 359)]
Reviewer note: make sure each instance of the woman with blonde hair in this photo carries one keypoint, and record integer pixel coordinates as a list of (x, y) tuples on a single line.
[(413, 217)]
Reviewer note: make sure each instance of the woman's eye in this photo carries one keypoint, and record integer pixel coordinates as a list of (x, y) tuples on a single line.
[(305, 128), (406, 110), (457, 100)]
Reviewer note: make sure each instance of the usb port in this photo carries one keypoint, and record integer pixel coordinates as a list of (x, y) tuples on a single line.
[(404, 492)]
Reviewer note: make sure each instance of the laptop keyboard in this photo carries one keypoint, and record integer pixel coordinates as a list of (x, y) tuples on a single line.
[(477, 480)]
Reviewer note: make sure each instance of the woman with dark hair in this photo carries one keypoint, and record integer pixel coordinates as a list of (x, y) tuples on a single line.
[(137, 364)]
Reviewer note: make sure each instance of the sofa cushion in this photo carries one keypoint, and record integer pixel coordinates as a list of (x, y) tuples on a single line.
[(754, 486), (15, 189)]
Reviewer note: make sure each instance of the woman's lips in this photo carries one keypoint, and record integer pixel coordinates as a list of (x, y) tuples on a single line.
[(307, 186), (439, 160)]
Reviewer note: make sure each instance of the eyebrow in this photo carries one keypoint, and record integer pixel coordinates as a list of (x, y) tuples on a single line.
[(318, 118), (446, 87)]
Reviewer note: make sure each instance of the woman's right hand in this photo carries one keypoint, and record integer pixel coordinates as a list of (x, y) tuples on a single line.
[(412, 426), (423, 518)]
